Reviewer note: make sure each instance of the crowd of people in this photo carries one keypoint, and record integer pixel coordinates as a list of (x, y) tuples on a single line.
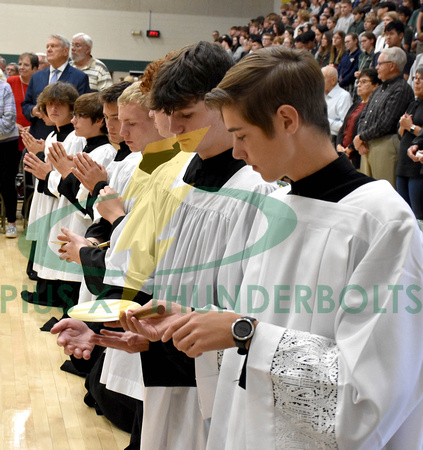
[(350, 37), (269, 311)]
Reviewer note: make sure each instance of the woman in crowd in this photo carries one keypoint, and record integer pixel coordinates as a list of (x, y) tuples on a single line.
[(278, 40), (28, 64), (278, 28), (338, 48), (368, 82), (388, 17), (409, 178), (237, 48), (348, 65), (318, 31), (323, 54), (9, 155), (288, 42)]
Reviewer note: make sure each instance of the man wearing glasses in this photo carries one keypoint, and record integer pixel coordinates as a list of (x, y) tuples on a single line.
[(377, 139)]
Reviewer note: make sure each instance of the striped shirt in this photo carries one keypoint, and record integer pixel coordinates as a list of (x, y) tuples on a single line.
[(98, 75), (8, 128)]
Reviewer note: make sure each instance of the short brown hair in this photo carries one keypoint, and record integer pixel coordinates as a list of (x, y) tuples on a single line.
[(263, 81), (90, 105), (59, 92)]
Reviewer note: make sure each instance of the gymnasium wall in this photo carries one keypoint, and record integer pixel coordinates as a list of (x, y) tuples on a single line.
[(26, 25)]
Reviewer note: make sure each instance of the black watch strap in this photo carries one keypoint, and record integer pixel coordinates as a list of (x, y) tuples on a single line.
[(241, 341)]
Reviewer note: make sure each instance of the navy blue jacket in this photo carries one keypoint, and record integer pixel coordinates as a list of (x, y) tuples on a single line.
[(37, 83)]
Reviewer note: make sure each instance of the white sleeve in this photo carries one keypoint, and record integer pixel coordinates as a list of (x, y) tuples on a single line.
[(358, 390)]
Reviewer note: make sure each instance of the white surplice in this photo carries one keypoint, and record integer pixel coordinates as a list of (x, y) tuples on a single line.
[(199, 226), (336, 359), (69, 216), (119, 174)]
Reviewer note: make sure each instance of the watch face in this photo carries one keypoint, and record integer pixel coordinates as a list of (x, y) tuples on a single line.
[(242, 329)]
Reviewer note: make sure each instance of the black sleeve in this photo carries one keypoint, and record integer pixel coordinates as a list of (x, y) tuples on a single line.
[(100, 230), (43, 187), (117, 222), (69, 187), (98, 187), (94, 267)]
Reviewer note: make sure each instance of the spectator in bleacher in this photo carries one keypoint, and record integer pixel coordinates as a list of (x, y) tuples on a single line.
[(255, 42), (346, 18), (255, 27), (370, 23), (237, 48), (338, 101), (349, 63), (382, 9), (404, 15), (267, 38), (226, 42), (408, 172), (278, 40), (331, 23), (377, 139), (9, 154), (215, 36), (303, 16), (368, 82), (42, 61), (338, 48), (278, 28), (365, 59), (323, 20), (388, 17), (323, 54), (28, 65), (82, 59), (288, 42), (394, 32), (12, 70), (357, 26)]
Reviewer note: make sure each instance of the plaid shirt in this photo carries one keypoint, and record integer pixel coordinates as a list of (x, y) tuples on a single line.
[(384, 109), (8, 128)]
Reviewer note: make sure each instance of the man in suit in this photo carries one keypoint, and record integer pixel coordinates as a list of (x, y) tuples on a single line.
[(59, 70)]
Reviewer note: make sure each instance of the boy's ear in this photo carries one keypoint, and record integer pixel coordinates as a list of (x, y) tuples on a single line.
[(287, 118)]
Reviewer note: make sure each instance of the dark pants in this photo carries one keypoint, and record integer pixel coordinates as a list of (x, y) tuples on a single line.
[(411, 190), (9, 165)]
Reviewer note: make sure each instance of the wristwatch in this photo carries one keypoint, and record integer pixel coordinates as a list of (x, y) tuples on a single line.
[(242, 331), (412, 128)]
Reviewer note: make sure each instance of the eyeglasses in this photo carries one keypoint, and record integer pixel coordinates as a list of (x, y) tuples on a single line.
[(361, 81), (418, 79), (383, 62), (79, 116)]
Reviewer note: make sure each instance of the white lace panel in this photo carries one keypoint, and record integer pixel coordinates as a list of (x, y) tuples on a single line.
[(304, 373)]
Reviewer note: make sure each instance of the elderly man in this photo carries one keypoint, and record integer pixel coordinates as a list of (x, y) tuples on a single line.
[(2, 68), (42, 61), (59, 70), (337, 99), (12, 69), (82, 59), (377, 139)]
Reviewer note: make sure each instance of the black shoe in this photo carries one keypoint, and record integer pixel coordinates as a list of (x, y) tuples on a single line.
[(32, 275), (49, 324)]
